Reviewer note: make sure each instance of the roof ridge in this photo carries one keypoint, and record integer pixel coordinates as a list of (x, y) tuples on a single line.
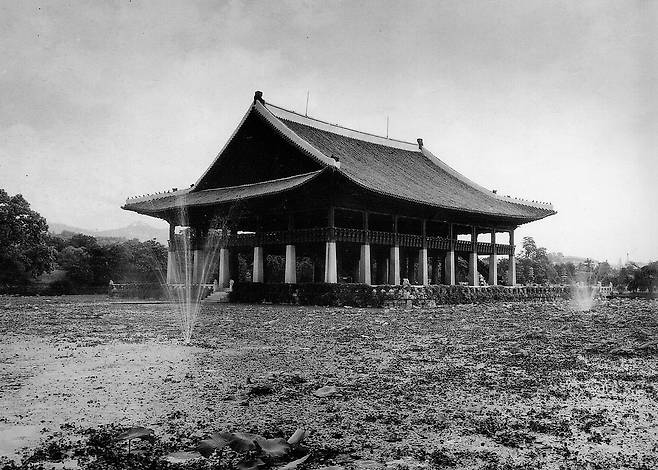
[(346, 131), (280, 126)]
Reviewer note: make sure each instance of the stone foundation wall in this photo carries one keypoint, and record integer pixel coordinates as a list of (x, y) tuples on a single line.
[(403, 296), (431, 296)]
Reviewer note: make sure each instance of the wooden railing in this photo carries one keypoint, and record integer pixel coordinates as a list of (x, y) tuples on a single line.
[(353, 235), (350, 235), (414, 241), (381, 238), (438, 243)]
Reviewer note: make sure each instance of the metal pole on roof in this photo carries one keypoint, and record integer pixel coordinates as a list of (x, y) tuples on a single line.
[(307, 95), (387, 127)]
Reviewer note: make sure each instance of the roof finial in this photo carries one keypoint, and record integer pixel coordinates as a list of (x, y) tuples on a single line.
[(420, 143), (258, 96)]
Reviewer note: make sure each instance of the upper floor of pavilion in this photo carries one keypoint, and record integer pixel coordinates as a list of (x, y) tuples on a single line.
[(280, 161)]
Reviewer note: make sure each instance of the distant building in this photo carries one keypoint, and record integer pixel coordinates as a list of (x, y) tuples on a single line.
[(361, 207)]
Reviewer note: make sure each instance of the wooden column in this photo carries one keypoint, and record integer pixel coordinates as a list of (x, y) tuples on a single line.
[(449, 264), (511, 273), (493, 262), (172, 264), (473, 276), (330, 262)]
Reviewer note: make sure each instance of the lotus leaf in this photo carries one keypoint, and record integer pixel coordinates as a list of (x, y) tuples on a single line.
[(295, 463), (217, 441), (298, 436), (326, 391), (251, 464), (182, 457)]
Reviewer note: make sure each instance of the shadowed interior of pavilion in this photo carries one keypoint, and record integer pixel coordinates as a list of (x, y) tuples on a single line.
[(294, 199)]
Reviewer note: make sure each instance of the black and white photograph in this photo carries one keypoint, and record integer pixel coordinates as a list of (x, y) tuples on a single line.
[(328, 235)]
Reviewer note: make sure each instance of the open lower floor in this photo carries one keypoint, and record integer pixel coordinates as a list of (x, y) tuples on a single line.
[(334, 261)]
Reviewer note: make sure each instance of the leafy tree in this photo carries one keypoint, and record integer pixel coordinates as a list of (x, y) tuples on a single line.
[(24, 249), (148, 260), (80, 240), (77, 263), (645, 278), (529, 248), (534, 265)]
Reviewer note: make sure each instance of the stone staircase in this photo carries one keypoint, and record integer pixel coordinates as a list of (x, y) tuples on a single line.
[(219, 296)]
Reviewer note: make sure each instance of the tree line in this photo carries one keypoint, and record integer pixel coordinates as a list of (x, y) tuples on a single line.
[(83, 263), (535, 266)]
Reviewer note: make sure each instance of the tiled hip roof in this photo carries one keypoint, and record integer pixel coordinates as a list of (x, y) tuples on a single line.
[(409, 175)]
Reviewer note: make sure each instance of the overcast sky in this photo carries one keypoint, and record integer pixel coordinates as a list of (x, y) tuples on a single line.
[(553, 101)]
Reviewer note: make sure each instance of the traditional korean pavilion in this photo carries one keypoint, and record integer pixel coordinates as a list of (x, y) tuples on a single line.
[(358, 207)]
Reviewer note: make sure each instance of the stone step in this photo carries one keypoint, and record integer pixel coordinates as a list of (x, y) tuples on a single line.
[(217, 297)]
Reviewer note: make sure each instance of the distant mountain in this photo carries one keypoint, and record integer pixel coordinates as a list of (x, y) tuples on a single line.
[(138, 230)]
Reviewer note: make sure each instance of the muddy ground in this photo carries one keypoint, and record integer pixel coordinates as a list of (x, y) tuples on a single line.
[(516, 385)]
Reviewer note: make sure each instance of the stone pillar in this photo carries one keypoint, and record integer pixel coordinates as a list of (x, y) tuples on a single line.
[(172, 268), (423, 270), (172, 276), (365, 276), (450, 267), (449, 264), (330, 260), (511, 273), (473, 276), (198, 256), (258, 274), (365, 267), (394, 257), (330, 264), (394, 266), (493, 262), (291, 265), (436, 277), (382, 269), (224, 276)]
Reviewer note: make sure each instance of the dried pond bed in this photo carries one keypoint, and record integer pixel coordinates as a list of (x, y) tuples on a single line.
[(512, 385)]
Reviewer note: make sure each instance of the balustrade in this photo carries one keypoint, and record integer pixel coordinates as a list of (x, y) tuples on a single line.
[(381, 238), (352, 235), (483, 248), (463, 245), (438, 243)]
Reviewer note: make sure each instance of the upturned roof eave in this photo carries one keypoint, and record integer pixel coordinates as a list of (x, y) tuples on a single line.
[(518, 218), (182, 201)]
